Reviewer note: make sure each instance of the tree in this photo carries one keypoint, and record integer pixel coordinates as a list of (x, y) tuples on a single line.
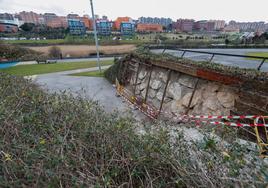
[(227, 41), (55, 52), (27, 27)]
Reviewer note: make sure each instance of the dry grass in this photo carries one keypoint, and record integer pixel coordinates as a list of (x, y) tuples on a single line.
[(85, 50)]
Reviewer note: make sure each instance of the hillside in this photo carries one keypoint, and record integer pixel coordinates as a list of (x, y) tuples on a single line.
[(57, 140)]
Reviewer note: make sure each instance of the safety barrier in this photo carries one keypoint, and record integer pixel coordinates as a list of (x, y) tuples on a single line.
[(153, 114)]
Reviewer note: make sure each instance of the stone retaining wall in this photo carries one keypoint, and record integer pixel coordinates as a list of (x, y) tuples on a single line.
[(208, 97)]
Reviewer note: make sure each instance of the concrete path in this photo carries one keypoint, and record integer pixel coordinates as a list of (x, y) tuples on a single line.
[(68, 60), (92, 88)]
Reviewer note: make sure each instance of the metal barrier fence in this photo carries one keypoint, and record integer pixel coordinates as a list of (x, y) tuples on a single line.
[(213, 54)]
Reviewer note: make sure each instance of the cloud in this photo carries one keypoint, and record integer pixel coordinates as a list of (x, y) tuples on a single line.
[(206, 9)]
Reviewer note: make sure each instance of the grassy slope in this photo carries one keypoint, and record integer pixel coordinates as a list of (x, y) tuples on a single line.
[(90, 74), (51, 140), (26, 70)]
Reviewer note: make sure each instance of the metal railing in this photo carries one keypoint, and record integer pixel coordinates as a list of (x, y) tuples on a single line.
[(213, 54)]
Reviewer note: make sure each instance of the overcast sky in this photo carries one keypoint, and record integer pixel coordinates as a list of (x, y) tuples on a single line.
[(240, 10)]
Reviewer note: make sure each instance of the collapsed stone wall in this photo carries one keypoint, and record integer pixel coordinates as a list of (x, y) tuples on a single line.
[(184, 93)]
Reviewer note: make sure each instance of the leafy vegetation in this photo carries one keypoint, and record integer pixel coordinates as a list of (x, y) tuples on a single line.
[(27, 70), (117, 71), (57, 140), (55, 52), (15, 53)]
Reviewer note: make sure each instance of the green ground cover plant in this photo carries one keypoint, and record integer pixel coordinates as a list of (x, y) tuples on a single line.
[(57, 140)]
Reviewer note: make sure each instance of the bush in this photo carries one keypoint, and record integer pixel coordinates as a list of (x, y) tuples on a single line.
[(118, 70), (57, 140), (17, 53), (55, 52)]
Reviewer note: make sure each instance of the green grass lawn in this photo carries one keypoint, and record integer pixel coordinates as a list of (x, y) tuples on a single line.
[(262, 54), (27, 70), (90, 74)]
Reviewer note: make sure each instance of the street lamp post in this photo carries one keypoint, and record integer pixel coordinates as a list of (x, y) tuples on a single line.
[(95, 35)]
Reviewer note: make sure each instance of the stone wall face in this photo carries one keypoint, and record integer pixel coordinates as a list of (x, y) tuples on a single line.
[(209, 98)]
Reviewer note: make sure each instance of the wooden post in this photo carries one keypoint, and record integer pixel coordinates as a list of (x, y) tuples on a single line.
[(165, 90)]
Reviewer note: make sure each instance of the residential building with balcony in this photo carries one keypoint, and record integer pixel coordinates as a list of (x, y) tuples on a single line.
[(104, 27), (161, 21), (76, 27), (119, 20), (127, 28)]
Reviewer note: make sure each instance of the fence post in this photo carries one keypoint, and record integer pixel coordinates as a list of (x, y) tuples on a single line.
[(136, 81), (164, 94), (183, 54), (211, 58), (192, 96), (259, 67), (148, 84)]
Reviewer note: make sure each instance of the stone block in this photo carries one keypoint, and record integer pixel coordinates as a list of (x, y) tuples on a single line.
[(174, 90), (187, 81), (155, 84)]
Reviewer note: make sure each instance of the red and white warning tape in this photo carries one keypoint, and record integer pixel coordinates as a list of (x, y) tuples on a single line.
[(153, 113)]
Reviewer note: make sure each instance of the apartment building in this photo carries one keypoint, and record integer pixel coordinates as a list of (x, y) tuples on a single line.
[(8, 28), (87, 22), (161, 21), (58, 22), (31, 17), (204, 25), (219, 24), (119, 20), (249, 26), (76, 27), (9, 23), (73, 16), (104, 27), (127, 28), (184, 25), (144, 28), (48, 17)]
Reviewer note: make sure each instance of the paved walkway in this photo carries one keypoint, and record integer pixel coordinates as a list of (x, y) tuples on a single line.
[(225, 60), (68, 60), (98, 89)]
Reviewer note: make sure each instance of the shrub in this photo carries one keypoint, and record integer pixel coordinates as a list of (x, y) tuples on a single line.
[(57, 140), (55, 52), (118, 70), (17, 53)]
